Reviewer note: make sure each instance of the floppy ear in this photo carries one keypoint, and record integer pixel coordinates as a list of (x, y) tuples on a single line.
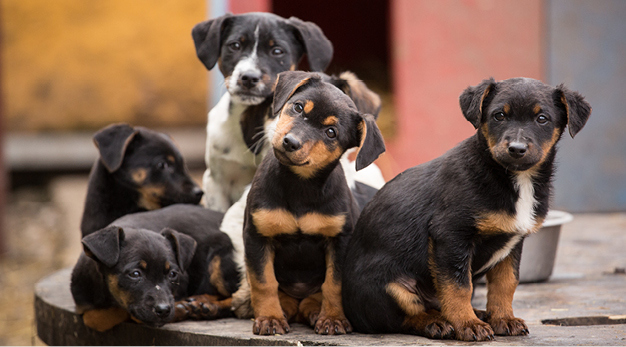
[(287, 83), (104, 245), (576, 108), (112, 142), (366, 100), (184, 246), (318, 48), (472, 100), (207, 37), (252, 124), (372, 143)]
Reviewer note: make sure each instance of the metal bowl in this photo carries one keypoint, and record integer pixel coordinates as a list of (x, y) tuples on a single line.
[(539, 250)]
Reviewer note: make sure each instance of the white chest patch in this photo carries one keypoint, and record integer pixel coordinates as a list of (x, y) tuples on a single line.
[(525, 205), (524, 218)]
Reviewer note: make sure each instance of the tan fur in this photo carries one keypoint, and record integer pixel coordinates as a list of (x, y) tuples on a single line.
[(264, 290), (314, 223), (496, 223), (143, 264), (310, 307), (289, 305), (501, 285), (150, 197), (122, 297), (279, 221), (139, 175), (537, 108), (274, 222), (506, 108), (409, 302), (318, 156), (331, 290), (330, 120), (217, 278), (105, 319), (308, 106)]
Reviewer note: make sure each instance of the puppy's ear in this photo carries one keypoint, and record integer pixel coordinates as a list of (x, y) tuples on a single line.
[(112, 142), (104, 245), (207, 38), (318, 48), (576, 108), (372, 144), (287, 83), (472, 100), (366, 100), (184, 246)]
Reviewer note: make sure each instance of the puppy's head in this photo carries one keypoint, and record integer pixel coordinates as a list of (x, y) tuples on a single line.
[(522, 119), (147, 162), (144, 271), (317, 123), (252, 49)]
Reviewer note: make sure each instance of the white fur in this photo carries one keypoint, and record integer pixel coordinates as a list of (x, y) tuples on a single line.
[(247, 64), (232, 225), (524, 217), (230, 164)]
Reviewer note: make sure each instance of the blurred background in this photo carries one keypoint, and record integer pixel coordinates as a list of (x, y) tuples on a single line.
[(70, 67)]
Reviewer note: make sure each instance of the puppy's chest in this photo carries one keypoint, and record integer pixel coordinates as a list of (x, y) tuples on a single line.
[(512, 227), (224, 136), (279, 221)]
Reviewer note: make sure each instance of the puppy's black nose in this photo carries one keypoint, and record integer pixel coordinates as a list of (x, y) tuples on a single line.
[(162, 310), (197, 192), (250, 79), (517, 149), (291, 144)]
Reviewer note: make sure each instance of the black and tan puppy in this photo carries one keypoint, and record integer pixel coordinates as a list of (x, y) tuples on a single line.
[(432, 229), (127, 272), (133, 269), (300, 211), (138, 170)]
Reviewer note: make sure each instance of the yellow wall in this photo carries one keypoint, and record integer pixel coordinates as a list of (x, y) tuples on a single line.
[(77, 64)]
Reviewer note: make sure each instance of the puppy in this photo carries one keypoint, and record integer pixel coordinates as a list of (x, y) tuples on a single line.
[(300, 211), (138, 170), (121, 273), (250, 50), (130, 273), (433, 228)]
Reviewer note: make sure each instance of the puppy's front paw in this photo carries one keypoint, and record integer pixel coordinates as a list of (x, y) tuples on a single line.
[(332, 326), (509, 326), (474, 330), (270, 326)]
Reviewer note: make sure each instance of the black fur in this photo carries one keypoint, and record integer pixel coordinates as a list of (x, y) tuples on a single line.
[(187, 236), (109, 272), (113, 192), (298, 182), (439, 204)]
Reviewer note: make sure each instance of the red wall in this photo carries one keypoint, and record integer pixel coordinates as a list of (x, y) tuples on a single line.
[(441, 47)]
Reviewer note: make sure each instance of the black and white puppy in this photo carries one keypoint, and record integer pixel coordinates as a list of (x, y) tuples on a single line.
[(250, 50)]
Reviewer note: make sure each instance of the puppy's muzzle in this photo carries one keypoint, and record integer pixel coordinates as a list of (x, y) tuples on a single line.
[(517, 149), (291, 143), (250, 79)]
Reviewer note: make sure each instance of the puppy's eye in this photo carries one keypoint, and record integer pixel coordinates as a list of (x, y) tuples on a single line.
[(331, 132), (135, 274), (542, 119), (235, 46), (298, 107), (173, 275), (277, 51), (499, 116)]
